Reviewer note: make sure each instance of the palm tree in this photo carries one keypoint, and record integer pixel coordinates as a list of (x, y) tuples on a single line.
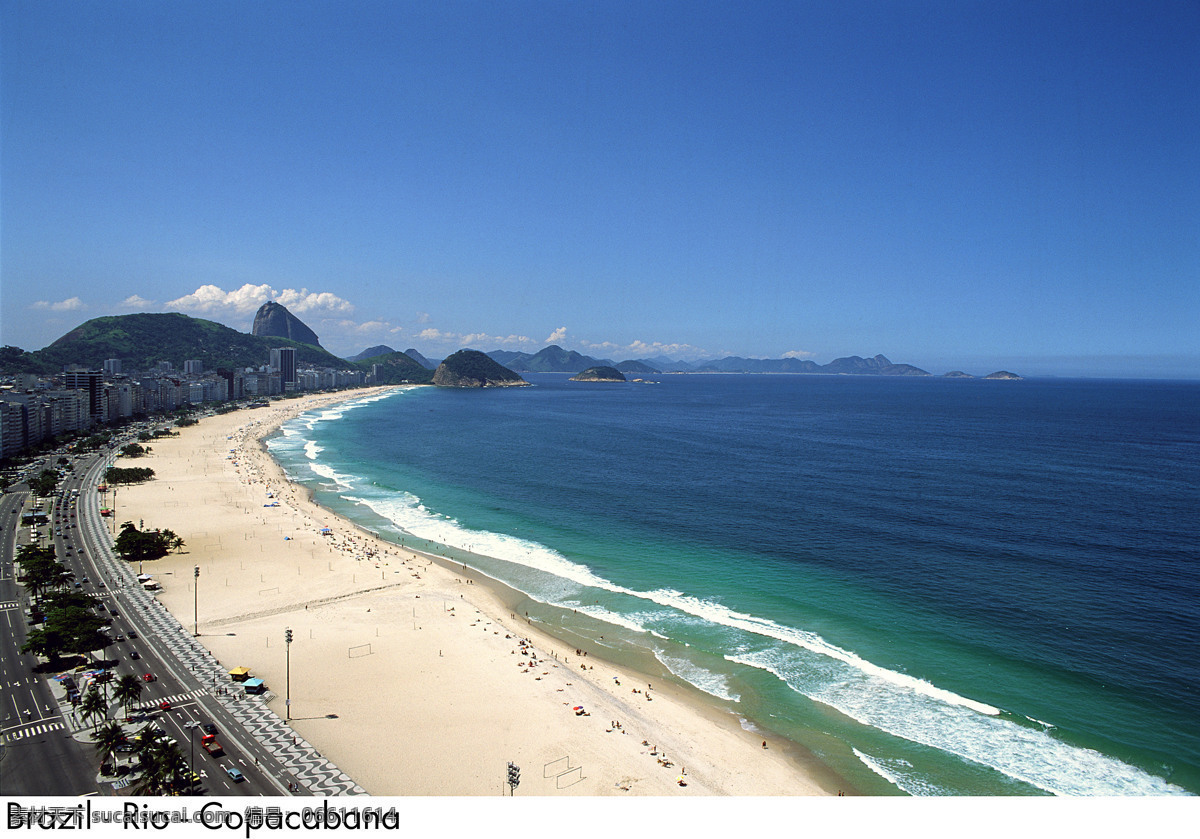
[(108, 738), (92, 705), (163, 765), (127, 691)]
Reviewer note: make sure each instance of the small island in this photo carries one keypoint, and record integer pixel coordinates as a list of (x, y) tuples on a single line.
[(1004, 375), (599, 374), (471, 368)]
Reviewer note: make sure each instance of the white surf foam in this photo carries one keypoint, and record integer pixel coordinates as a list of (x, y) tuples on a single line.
[(1026, 754), (714, 684), (894, 772)]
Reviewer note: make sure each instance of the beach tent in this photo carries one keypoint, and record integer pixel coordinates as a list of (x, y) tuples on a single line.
[(255, 686), (239, 674), (143, 577)]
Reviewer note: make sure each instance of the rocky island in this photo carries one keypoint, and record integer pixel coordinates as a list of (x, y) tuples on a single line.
[(599, 374), (1004, 375), (471, 368)]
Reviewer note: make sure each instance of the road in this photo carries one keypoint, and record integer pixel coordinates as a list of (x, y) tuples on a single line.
[(38, 756), (147, 639)]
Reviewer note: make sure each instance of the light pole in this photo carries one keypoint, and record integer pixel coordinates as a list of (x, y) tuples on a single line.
[(196, 601), (287, 637)]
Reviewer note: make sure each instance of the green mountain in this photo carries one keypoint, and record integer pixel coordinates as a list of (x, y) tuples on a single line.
[(142, 340), (600, 374), (395, 368), (551, 359), (371, 352), (471, 368)]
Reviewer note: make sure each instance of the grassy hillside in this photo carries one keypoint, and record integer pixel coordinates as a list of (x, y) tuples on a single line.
[(142, 340)]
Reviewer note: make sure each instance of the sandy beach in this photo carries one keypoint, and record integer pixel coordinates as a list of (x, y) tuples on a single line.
[(435, 682)]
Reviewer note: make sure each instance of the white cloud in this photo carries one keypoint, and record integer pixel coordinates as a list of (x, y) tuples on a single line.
[(248, 298), (135, 301), (423, 317), (458, 340), (557, 336), (211, 298), (798, 354), (645, 349), (69, 305), (299, 302)]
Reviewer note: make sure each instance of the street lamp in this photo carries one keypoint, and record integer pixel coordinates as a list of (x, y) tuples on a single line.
[(287, 637), (196, 601)]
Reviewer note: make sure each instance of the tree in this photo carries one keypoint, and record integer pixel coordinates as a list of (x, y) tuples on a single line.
[(162, 764), (136, 545), (69, 627), (39, 569), (133, 475), (43, 485), (128, 691), (170, 539), (134, 450), (108, 737), (93, 706)]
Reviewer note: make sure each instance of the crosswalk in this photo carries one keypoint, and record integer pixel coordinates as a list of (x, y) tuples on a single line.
[(8, 604), (33, 730), (177, 698)]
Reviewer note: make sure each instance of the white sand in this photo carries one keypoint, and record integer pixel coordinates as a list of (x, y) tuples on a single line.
[(425, 672)]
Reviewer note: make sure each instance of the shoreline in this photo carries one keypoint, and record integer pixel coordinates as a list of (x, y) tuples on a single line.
[(406, 697)]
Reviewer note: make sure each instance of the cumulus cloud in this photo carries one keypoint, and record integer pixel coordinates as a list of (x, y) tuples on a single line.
[(798, 354), (248, 298), (465, 339), (302, 301), (646, 349), (373, 326), (135, 301), (69, 305), (211, 298), (557, 336)]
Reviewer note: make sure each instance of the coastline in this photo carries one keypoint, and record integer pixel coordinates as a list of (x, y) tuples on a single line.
[(424, 665)]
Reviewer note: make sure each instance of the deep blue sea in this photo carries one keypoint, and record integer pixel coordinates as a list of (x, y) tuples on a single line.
[(938, 587)]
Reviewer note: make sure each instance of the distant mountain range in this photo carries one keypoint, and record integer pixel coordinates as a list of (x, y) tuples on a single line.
[(142, 340), (554, 359)]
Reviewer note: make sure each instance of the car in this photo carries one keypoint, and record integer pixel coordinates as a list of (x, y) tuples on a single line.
[(147, 677), (135, 655), (209, 728), (235, 773), (100, 584), (119, 638), (164, 705), (132, 634)]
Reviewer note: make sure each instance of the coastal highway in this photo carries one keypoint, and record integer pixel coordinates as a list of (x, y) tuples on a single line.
[(272, 758), (85, 541), (38, 756)]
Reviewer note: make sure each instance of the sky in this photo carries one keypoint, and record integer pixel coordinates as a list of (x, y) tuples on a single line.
[(956, 185)]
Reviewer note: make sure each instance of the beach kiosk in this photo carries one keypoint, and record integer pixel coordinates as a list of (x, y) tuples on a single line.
[(255, 686), (239, 674)]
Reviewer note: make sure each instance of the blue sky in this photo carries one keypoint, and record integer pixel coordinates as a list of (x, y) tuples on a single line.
[(969, 185)]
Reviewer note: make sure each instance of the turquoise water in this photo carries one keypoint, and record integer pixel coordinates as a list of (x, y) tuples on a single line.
[(937, 587)]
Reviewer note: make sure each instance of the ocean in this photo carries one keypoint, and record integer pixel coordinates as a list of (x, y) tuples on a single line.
[(935, 586)]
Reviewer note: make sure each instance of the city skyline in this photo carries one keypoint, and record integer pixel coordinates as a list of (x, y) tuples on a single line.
[(1005, 186)]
